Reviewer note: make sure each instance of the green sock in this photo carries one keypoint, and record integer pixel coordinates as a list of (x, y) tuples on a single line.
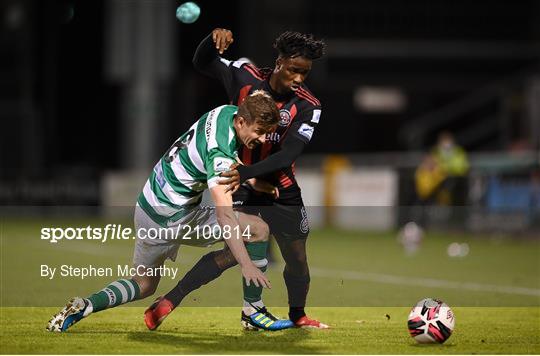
[(118, 292), (257, 253)]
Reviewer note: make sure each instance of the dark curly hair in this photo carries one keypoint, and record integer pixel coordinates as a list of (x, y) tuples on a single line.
[(296, 44)]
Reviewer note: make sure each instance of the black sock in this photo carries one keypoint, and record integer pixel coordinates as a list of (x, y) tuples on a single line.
[(295, 313), (297, 289), (204, 271)]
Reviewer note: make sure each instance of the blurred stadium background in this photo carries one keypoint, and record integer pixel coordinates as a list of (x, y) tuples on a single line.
[(93, 92)]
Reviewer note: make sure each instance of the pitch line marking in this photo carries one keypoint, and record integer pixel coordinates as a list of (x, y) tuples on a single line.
[(357, 275), (421, 282)]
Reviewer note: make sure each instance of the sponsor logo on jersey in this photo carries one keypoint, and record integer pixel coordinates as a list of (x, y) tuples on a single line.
[(273, 137), (306, 131), (208, 124), (285, 117), (222, 164)]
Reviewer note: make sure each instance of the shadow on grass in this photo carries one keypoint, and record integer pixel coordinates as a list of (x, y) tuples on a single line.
[(432, 346), (287, 341)]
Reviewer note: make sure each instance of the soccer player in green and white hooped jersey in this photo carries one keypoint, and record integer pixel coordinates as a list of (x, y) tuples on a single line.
[(171, 199)]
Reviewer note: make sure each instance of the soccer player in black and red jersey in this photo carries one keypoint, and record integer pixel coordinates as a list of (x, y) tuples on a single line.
[(272, 161)]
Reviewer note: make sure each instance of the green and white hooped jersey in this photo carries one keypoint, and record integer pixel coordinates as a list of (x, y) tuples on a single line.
[(191, 164)]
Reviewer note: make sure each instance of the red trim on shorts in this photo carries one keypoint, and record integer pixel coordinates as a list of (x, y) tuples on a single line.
[(284, 180)]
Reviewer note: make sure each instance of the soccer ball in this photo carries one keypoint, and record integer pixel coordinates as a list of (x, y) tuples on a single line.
[(431, 321)]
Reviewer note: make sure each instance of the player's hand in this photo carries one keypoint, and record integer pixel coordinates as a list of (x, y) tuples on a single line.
[(222, 39), (254, 275), (264, 187), (232, 178)]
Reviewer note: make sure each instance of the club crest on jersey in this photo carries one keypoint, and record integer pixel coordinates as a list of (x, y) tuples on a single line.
[(285, 117)]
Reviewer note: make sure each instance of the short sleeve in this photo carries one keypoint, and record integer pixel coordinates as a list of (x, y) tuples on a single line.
[(217, 162)]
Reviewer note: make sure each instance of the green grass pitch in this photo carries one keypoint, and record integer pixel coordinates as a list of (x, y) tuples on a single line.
[(363, 285), (192, 330)]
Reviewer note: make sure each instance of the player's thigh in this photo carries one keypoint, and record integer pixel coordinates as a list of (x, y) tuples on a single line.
[(204, 229), (200, 228), (150, 253), (250, 203), (153, 255), (287, 222)]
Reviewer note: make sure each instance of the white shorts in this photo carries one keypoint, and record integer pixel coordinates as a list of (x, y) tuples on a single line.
[(152, 252)]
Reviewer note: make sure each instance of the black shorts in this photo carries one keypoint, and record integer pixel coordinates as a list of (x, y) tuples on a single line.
[(287, 219)]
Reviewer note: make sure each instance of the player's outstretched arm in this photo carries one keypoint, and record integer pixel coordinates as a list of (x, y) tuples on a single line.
[(207, 61), (207, 52), (290, 151), (227, 217), (222, 39)]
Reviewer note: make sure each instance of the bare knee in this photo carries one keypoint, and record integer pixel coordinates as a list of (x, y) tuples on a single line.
[(259, 231), (254, 229)]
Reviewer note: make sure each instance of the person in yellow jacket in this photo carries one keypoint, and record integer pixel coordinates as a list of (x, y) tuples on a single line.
[(428, 177), (451, 157), (441, 172)]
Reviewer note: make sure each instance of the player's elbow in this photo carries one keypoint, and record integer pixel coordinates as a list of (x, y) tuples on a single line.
[(287, 162), (290, 156)]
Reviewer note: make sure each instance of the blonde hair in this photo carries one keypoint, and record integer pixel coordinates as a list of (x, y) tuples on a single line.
[(261, 108), (260, 92)]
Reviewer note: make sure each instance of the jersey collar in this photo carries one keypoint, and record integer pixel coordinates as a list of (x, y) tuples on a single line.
[(275, 95)]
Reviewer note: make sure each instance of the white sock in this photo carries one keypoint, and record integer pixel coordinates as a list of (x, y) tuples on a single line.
[(249, 309), (89, 308)]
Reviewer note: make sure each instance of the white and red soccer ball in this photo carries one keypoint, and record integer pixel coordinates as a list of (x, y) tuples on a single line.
[(431, 321)]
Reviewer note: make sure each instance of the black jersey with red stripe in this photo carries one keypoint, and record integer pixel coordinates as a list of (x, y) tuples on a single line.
[(300, 112)]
